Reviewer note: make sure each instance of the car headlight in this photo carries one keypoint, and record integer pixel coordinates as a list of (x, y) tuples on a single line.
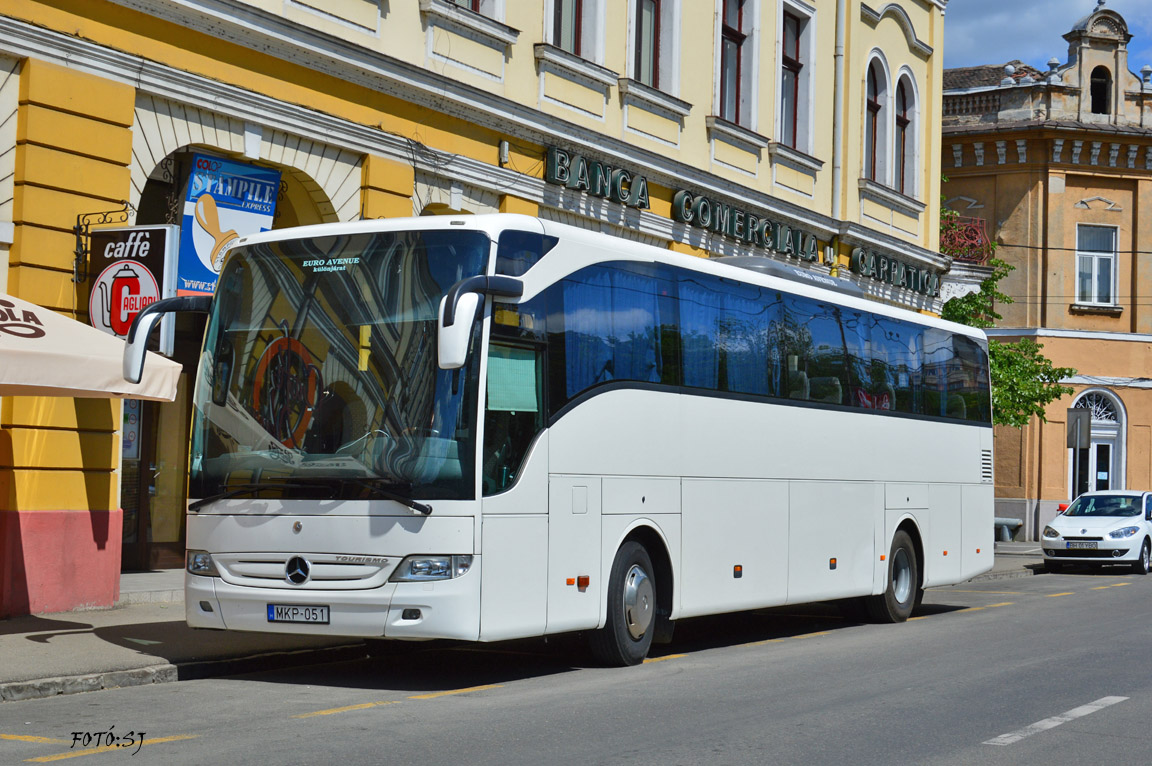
[(1051, 533), (1120, 534), (425, 568), (200, 563)]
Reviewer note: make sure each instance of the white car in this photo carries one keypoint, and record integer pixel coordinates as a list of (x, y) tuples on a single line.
[(1112, 527)]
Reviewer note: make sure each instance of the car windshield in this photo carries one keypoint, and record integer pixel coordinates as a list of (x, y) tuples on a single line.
[(1105, 505)]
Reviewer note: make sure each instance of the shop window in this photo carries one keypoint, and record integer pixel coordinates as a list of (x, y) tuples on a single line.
[(1096, 264), (1101, 90), (875, 123), (734, 71)]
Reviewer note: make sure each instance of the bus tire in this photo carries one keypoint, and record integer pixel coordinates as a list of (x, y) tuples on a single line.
[(898, 600), (630, 624)]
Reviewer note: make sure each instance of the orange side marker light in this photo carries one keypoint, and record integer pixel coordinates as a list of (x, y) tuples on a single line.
[(582, 582)]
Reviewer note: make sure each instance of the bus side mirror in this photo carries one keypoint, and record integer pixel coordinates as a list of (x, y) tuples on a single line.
[(458, 311), (452, 339), (136, 346)]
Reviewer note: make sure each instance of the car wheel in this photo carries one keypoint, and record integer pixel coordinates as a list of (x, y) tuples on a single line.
[(1142, 564), (628, 629), (895, 604)]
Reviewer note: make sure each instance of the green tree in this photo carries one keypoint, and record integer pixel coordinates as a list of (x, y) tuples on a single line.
[(1023, 379)]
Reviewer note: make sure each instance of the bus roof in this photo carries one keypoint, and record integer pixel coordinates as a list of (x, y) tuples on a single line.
[(493, 224)]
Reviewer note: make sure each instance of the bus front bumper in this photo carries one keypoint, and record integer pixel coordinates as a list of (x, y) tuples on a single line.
[(408, 610)]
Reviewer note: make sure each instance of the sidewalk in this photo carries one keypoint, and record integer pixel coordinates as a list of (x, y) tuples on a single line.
[(144, 639)]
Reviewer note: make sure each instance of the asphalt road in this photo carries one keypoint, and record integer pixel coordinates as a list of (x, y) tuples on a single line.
[(1053, 669)]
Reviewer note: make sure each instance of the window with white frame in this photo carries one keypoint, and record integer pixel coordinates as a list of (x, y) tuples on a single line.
[(905, 138), (1096, 264), (483, 7), (876, 123), (567, 25), (736, 72), (794, 39), (577, 26), (654, 43)]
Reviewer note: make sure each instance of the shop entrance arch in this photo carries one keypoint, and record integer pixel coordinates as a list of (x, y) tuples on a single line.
[(319, 184)]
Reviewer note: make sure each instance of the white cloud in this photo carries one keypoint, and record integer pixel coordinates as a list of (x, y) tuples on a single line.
[(996, 31)]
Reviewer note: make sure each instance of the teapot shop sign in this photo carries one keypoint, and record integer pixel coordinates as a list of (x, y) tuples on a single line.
[(136, 267)]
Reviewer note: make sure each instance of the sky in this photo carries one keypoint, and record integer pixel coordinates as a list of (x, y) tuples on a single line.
[(997, 31)]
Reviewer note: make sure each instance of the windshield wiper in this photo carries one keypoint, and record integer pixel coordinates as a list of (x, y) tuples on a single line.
[(389, 490), (246, 489)]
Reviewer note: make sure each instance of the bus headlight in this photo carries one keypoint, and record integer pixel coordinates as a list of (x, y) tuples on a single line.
[(425, 568), (200, 563)]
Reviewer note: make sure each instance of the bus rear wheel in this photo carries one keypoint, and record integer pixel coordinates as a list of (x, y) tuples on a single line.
[(628, 629), (898, 600)]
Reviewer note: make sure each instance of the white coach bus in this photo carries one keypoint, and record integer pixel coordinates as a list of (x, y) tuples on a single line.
[(491, 427)]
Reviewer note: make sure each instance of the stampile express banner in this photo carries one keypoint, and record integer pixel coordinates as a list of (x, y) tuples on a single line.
[(226, 200)]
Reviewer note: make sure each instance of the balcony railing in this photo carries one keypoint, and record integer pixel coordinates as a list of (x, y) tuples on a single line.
[(965, 239)]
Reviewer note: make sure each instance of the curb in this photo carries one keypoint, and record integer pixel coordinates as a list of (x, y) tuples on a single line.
[(14, 691)]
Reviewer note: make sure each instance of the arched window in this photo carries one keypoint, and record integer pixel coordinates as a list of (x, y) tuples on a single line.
[(1101, 464), (904, 144), (875, 124), (1101, 90)]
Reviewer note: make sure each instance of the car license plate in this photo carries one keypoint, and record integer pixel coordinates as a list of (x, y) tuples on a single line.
[(1091, 546), (297, 613)]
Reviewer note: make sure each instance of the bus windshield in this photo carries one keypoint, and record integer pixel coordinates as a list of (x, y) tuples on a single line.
[(319, 370)]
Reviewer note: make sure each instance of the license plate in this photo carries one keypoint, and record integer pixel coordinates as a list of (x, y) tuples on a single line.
[(297, 613), (1091, 546)]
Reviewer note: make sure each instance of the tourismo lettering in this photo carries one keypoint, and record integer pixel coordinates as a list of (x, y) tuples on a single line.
[(891, 271), (575, 172), (27, 325), (744, 226)]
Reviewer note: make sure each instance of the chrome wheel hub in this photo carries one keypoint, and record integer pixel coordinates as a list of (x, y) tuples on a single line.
[(639, 601), (901, 576)]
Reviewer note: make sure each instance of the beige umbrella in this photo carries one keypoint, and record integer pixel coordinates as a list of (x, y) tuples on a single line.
[(43, 353)]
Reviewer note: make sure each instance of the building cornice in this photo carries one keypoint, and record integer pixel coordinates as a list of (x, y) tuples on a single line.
[(1043, 332)]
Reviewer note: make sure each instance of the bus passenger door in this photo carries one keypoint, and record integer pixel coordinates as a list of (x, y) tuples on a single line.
[(574, 587)]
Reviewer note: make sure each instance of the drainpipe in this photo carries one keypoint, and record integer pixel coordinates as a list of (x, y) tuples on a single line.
[(838, 110)]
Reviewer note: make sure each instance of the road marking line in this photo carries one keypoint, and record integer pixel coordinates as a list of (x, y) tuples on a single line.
[(1005, 603), (970, 609), (665, 657), (434, 695), (1058, 595), (333, 711), (30, 738), (809, 635), (991, 592), (766, 641), (1050, 723), (108, 749)]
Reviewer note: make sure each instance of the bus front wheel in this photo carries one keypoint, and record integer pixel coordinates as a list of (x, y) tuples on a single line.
[(627, 632), (898, 600)]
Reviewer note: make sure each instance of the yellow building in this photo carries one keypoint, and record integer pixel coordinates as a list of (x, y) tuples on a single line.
[(801, 130), (1058, 164)]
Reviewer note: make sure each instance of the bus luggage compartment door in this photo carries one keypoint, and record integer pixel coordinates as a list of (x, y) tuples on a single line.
[(574, 603)]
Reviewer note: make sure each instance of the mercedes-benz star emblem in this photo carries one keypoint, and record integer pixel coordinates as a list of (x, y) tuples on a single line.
[(297, 570)]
